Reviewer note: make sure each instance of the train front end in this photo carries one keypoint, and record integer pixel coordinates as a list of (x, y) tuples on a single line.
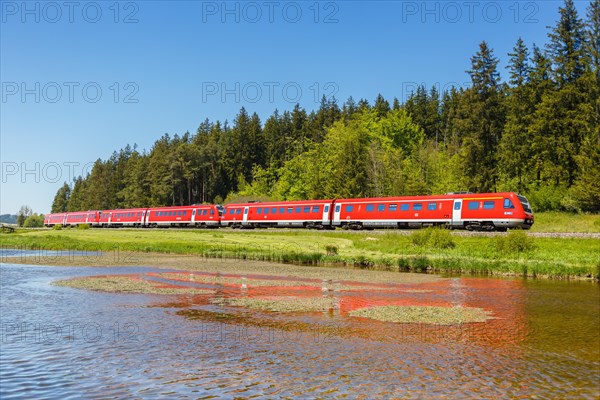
[(527, 212)]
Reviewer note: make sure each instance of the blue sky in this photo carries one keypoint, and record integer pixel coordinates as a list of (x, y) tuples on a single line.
[(82, 79)]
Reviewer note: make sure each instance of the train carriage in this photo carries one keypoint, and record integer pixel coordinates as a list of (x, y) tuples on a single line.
[(312, 214), (195, 215), (81, 218), (54, 219), (487, 211), (130, 217)]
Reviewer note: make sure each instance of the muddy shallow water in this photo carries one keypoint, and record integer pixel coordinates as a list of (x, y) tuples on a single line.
[(543, 339)]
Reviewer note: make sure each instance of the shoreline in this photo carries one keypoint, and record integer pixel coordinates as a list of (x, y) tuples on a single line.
[(432, 251), (248, 266)]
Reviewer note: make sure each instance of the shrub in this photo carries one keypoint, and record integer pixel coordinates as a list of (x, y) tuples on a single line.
[(515, 242), (421, 238), (83, 226), (331, 250), (433, 237), (57, 227), (442, 239)]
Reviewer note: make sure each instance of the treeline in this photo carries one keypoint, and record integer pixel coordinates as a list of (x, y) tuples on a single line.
[(537, 134)]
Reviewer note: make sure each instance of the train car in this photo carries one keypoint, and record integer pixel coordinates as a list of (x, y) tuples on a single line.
[(311, 214), (54, 219), (130, 217), (170, 216), (104, 218), (206, 216), (81, 217), (486, 211)]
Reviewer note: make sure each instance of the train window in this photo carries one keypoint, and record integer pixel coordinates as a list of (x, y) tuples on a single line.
[(156, 213), (473, 205), (274, 210), (417, 206), (298, 209), (337, 208), (315, 209), (488, 205), (185, 213), (393, 207), (290, 210), (508, 204), (431, 206), (349, 208), (457, 205), (370, 207), (246, 211), (238, 211), (405, 207), (307, 209), (206, 212), (266, 210), (259, 210), (212, 212), (282, 210), (231, 211), (193, 212), (381, 207), (326, 209)]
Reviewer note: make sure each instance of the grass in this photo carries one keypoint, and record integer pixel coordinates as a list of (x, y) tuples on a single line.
[(280, 303), (390, 251), (554, 221), (423, 314), (125, 284)]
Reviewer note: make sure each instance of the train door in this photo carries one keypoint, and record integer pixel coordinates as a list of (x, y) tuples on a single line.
[(336, 213), (326, 214), (194, 211), (245, 218), (456, 212)]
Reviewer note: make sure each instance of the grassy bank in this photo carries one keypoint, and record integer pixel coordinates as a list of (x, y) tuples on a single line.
[(516, 254), (555, 221)]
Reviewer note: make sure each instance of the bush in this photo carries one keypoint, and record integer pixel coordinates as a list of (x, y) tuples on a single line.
[(83, 226), (34, 221), (57, 227), (515, 242), (442, 239), (439, 238), (331, 250), (547, 198), (421, 238)]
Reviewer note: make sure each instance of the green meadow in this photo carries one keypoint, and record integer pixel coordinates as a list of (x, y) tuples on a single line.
[(428, 250)]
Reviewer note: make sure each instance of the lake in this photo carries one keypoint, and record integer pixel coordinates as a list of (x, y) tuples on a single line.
[(60, 342)]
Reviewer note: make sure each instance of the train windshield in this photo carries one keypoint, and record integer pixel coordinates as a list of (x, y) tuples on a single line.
[(525, 203)]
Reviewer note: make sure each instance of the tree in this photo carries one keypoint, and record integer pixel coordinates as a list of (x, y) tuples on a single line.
[(519, 64), (481, 121), (566, 47), (61, 199), (24, 213), (34, 221)]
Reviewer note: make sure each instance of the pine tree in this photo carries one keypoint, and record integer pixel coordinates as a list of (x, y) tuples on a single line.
[(482, 121), (61, 199), (519, 64), (566, 47)]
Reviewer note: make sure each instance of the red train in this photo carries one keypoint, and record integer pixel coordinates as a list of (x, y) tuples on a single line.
[(484, 211)]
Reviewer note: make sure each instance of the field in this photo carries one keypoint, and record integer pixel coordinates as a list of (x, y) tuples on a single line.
[(566, 222), (439, 251)]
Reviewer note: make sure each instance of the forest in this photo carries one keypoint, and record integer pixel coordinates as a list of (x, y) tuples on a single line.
[(537, 134)]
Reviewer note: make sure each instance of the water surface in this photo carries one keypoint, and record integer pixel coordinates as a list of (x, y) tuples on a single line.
[(69, 343)]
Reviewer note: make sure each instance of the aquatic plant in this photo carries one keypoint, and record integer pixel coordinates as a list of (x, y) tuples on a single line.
[(424, 314)]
